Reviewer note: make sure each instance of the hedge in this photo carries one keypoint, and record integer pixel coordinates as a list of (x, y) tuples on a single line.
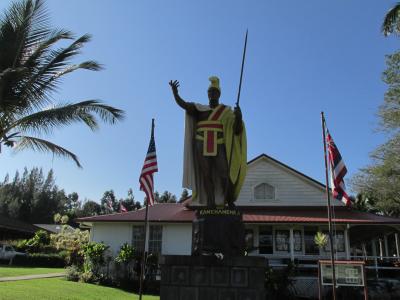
[(39, 260)]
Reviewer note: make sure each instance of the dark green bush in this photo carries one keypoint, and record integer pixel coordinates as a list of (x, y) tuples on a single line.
[(39, 260), (40, 243)]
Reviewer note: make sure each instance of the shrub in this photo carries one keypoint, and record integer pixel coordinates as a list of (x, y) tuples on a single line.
[(37, 243), (93, 254), (39, 260), (73, 273), (72, 243), (278, 281), (126, 254), (87, 277), (90, 277)]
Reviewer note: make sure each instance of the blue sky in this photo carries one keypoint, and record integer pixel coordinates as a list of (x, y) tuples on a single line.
[(302, 57)]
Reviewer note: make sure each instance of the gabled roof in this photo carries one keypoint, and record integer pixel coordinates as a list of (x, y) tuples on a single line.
[(16, 225), (179, 213), (265, 156), (54, 228), (159, 212)]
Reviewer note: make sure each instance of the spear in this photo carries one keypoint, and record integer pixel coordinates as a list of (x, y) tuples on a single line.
[(241, 71), (238, 97)]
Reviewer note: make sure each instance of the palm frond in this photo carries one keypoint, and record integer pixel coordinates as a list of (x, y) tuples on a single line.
[(26, 23), (44, 80), (36, 144), (40, 49), (391, 21), (46, 120)]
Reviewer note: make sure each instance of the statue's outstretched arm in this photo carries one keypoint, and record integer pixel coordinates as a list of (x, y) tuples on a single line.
[(189, 107)]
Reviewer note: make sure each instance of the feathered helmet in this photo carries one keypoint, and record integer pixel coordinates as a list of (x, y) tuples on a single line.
[(214, 83)]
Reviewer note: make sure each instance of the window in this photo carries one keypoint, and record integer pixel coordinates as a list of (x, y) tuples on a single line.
[(338, 241), (282, 240), (265, 240), (310, 248), (391, 241), (155, 239), (138, 238), (264, 191), (297, 240)]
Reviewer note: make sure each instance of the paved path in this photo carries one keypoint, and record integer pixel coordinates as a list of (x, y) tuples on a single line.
[(28, 277)]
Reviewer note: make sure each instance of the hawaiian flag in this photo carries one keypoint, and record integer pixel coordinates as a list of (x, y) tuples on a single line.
[(338, 171), (122, 208), (149, 168)]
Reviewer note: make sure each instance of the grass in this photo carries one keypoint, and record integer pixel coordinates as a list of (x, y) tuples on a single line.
[(61, 289), (8, 271)]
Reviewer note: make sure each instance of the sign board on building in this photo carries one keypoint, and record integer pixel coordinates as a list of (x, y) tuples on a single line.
[(347, 273)]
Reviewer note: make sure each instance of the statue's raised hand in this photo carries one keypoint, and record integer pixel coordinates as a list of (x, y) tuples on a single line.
[(174, 86)]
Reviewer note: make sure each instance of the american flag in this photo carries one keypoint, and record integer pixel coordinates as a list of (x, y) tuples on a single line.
[(338, 171), (109, 205), (149, 168)]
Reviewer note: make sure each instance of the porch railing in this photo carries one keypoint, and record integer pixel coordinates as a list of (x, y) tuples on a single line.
[(377, 263)]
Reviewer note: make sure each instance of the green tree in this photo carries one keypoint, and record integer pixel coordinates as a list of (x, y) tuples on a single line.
[(167, 197), (32, 197), (90, 208), (380, 181), (184, 195), (109, 202), (72, 242), (31, 69), (391, 21)]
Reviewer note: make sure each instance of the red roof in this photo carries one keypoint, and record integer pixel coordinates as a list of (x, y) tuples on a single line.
[(178, 213)]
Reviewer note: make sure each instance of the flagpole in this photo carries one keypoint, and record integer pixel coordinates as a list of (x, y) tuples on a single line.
[(146, 221), (329, 209)]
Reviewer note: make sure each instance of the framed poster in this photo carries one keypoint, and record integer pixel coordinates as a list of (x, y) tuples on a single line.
[(347, 273)]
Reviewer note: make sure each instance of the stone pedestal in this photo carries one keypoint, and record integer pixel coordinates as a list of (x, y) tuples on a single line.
[(208, 278), (218, 231)]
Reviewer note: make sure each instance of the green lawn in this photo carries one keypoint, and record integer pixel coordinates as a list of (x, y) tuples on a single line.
[(61, 289), (6, 271)]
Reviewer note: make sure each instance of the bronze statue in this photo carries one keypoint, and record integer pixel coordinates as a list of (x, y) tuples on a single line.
[(215, 157)]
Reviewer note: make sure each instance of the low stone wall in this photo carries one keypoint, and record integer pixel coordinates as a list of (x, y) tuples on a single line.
[(209, 278)]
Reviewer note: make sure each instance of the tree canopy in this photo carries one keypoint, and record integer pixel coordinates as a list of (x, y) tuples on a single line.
[(391, 21), (380, 181), (34, 197)]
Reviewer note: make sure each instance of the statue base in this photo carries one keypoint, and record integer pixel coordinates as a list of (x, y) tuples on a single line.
[(218, 231), (207, 277)]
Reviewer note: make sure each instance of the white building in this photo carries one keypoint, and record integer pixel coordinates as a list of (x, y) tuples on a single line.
[(282, 209)]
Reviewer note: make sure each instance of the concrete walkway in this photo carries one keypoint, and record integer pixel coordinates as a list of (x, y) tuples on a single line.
[(28, 277)]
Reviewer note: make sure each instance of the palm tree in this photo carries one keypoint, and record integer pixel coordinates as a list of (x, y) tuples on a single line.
[(391, 22), (321, 239), (31, 68)]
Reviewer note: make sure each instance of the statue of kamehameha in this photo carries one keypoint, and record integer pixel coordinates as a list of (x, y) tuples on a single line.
[(215, 149)]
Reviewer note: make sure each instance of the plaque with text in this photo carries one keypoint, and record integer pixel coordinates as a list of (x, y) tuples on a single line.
[(347, 273)]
